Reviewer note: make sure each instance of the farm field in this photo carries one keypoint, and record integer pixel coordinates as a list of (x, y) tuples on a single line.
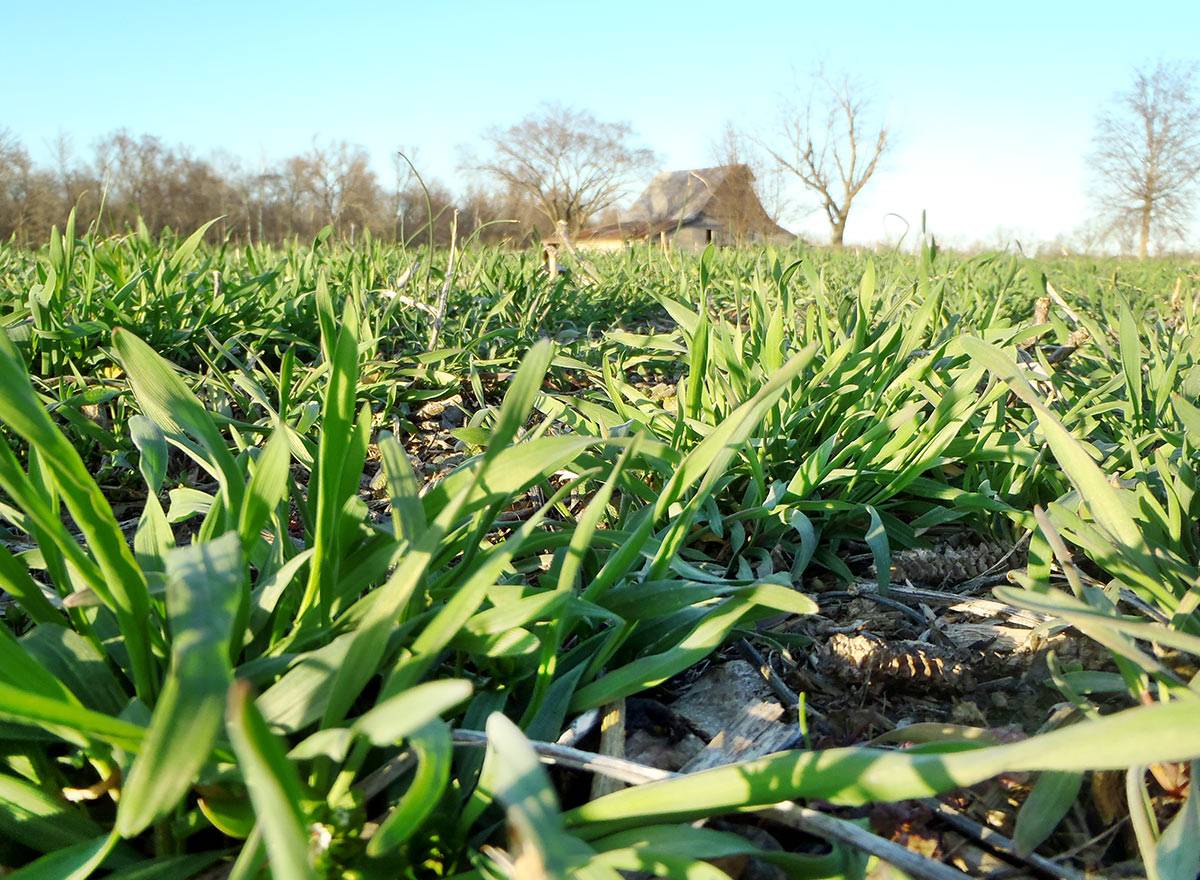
[(369, 562)]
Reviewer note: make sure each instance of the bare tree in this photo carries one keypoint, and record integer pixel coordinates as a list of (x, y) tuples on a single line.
[(339, 179), (571, 164), (832, 148), (16, 171), (1147, 155), (147, 182), (734, 147), (65, 170)]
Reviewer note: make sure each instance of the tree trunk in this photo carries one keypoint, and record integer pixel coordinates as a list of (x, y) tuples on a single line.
[(1144, 236), (838, 232)]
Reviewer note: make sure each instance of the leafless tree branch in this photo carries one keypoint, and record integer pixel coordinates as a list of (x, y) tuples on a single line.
[(830, 148), (571, 164), (1146, 156)]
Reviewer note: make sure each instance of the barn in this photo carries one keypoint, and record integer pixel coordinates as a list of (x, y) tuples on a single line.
[(689, 210)]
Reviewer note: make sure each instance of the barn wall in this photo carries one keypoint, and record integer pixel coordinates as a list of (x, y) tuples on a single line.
[(693, 238), (601, 244)]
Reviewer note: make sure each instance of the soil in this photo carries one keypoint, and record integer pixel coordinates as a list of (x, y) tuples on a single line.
[(883, 670)]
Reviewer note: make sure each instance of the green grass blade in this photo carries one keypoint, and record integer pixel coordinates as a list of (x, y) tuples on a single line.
[(268, 488), (434, 750), (337, 428), (71, 863), (273, 785), (1091, 482), (39, 821), (204, 582), (854, 776), (522, 786), (1051, 798), (167, 400), (127, 588), (408, 515), (18, 704)]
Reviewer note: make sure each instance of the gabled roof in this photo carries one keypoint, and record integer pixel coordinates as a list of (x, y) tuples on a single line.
[(678, 197), (675, 199)]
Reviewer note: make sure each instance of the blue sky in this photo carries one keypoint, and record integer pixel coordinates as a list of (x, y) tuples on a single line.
[(992, 103)]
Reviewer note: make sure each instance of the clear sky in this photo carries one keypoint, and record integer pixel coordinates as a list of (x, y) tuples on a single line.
[(992, 104)]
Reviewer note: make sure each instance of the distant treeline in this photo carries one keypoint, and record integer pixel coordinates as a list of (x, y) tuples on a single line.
[(127, 177)]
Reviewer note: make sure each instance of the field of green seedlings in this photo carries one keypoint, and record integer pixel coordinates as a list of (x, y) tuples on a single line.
[(322, 562)]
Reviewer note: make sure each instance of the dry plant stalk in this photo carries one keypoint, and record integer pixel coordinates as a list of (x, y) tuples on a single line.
[(612, 745), (439, 314)]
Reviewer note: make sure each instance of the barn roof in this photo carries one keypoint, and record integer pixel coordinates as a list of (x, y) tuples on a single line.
[(678, 197), (675, 199)]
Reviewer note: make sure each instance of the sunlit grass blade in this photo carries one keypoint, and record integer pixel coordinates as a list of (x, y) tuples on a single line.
[(204, 583), (853, 776), (326, 497)]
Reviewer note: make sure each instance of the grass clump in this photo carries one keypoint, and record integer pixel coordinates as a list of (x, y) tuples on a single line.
[(246, 634)]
